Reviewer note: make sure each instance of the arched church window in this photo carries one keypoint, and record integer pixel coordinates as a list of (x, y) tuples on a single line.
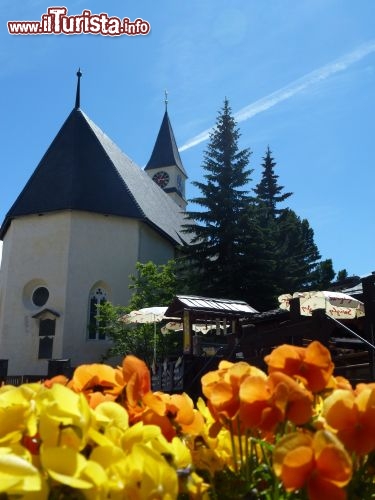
[(98, 296)]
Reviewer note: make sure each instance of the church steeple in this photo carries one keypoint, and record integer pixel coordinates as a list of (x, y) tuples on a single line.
[(166, 100), (78, 92), (165, 166)]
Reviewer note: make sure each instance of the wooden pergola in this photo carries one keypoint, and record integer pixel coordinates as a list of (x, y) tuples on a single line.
[(241, 332)]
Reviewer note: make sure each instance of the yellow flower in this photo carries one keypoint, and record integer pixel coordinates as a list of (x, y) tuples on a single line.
[(112, 460), (67, 466), (206, 457), (149, 476), (197, 488), (139, 433), (18, 476), (111, 414), (65, 417), (175, 452), (17, 414), (181, 454)]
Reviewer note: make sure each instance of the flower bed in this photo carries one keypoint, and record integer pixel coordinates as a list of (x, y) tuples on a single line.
[(296, 432)]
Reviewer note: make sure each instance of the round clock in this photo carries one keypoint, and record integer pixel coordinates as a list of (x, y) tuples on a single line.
[(161, 179)]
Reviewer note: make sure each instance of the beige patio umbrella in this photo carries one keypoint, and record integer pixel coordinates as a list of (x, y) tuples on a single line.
[(336, 305)]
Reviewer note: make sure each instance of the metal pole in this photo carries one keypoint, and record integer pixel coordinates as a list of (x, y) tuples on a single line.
[(154, 341), (351, 331)]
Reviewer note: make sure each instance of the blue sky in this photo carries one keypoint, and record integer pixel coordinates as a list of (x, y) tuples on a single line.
[(299, 75)]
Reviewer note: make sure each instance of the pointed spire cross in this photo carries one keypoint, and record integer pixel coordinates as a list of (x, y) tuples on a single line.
[(166, 100), (78, 93)]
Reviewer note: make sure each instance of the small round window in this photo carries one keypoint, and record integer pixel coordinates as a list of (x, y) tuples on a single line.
[(40, 296)]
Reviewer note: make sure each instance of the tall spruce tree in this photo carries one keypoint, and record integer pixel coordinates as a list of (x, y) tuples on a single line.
[(324, 275), (268, 192), (257, 261), (297, 254), (217, 234)]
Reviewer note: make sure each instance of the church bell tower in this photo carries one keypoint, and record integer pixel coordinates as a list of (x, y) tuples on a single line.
[(165, 166)]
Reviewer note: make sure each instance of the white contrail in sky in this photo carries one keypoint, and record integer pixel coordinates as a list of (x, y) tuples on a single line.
[(291, 89)]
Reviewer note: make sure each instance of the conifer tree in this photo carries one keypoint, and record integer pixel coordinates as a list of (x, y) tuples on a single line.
[(267, 190), (257, 262), (298, 255), (223, 201), (324, 275)]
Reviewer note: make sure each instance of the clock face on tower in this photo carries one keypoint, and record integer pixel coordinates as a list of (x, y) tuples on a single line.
[(161, 179)]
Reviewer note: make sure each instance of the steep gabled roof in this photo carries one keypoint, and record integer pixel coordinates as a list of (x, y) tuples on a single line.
[(165, 152), (84, 170)]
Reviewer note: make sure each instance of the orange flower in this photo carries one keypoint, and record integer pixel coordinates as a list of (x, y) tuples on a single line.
[(265, 403), (98, 382), (312, 365), (57, 379), (319, 462), (172, 413), (352, 415), (138, 383), (222, 387), (339, 382), (136, 377)]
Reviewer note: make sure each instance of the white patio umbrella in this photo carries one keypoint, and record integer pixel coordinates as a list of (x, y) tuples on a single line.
[(146, 315), (178, 325), (337, 305)]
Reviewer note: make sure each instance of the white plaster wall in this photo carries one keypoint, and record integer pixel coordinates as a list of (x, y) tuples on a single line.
[(68, 252), (102, 249), (152, 246), (35, 250)]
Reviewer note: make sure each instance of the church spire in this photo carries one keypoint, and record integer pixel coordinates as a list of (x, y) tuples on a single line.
[(78, 92), (165, 152), (166, 100), (165, 166)]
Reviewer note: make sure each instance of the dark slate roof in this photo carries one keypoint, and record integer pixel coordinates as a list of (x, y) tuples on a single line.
[(84, 170), (273, 315), (165, 152)]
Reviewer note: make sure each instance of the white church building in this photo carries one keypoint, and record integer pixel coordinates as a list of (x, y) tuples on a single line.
[(72, 238)]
